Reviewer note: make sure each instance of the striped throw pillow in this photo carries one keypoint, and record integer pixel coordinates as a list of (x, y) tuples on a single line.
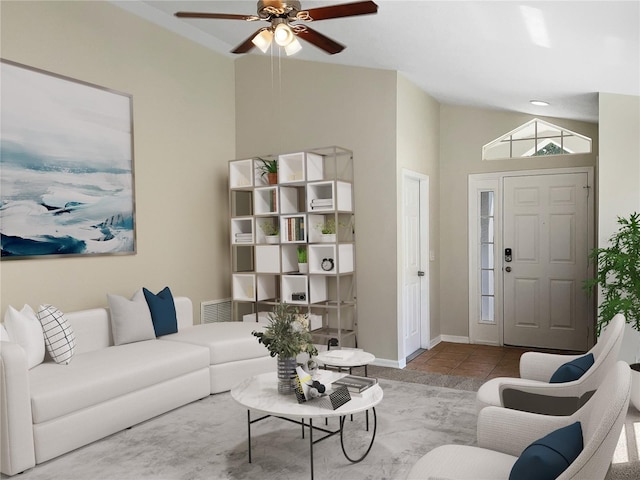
[(58, 335)]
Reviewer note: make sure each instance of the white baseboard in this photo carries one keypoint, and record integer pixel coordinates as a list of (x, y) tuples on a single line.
[(383, 362), (454, 339)]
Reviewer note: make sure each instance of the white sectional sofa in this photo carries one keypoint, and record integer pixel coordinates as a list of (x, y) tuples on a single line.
[(51, 409)]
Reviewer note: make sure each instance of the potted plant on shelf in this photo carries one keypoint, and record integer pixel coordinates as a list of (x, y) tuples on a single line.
[(328, 229), (303, 266), (286, 336), (270, 169), (618, 276), (271, 232)]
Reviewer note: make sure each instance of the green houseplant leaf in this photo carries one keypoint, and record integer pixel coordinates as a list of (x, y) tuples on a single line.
[(618, 274), (287, 334)]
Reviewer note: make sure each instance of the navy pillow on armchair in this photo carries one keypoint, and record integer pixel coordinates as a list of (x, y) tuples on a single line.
[(548, 457), (573, 370), (163, 311)]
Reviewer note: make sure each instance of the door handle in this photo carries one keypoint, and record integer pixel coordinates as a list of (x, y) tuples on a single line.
[(420, 273), (508, 269)]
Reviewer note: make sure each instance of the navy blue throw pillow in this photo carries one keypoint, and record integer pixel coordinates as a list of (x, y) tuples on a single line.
[(163, 311), (549, 456), (572, 370)]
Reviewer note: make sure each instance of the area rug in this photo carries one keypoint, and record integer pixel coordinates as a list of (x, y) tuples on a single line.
[(207, 439)]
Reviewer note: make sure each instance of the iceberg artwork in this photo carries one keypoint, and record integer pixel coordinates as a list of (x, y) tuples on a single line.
[(66, 166)]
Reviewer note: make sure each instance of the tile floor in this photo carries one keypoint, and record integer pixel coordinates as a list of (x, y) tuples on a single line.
[(477, 361)]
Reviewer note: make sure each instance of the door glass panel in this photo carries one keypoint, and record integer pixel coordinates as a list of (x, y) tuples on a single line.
[(487, 247), (487, 312)]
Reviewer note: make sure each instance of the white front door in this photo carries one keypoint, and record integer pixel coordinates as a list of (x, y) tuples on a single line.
[(545, 226), (414, 265)]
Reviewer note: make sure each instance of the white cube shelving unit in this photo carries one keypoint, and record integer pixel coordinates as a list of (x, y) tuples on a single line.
[(313, 187)]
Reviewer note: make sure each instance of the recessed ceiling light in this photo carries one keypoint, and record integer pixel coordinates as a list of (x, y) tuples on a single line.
[(539, 103)]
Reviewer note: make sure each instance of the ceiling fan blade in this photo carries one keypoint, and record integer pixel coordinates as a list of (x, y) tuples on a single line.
[(321, 41), (247, 45), (222, 16), (344, 10)]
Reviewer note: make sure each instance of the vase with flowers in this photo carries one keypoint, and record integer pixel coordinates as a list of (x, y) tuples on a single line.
[(286, 335)]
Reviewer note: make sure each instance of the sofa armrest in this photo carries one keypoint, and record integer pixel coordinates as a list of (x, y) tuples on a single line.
[(543, 404), (511, 431), (16, 427), (541, 366)]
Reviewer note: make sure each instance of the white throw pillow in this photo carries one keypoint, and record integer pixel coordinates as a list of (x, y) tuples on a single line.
[(130, 319), (4, 335), (24, 328), (58, 334)]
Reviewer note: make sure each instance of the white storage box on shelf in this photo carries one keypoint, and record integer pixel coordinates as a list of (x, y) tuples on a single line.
[(267, 259)]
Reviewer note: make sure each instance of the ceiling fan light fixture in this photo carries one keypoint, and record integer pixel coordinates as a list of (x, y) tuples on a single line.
[(283, 35), (294, 47), (263, 40)]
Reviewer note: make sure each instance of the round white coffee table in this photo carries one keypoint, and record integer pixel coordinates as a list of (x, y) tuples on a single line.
[(346, 359), (260, 394)]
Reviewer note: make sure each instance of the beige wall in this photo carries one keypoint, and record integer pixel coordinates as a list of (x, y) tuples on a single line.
[(418, 140), (463, 132), (355, 108), (184, 130), (619, 179)]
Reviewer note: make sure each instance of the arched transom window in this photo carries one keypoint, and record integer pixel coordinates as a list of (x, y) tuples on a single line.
[(536, 138)]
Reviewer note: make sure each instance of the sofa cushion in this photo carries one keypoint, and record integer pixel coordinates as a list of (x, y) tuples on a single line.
[(4, 335), (24, 329), (58, 334), (573, 370), (163, 311), (100, 375), (130, 319), (226, 341), (548, 457)]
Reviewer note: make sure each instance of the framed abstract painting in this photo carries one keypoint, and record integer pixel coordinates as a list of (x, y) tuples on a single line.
[(66, 167)]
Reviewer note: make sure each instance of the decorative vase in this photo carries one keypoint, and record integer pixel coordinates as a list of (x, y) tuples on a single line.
[(272, 238), (286, 375), (303, 267)]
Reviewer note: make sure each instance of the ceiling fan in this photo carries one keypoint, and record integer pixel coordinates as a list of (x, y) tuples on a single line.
[(281, 16)]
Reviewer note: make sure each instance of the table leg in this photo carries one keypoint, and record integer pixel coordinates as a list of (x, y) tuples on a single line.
[(375, 425), (249, 432), (311, 445)]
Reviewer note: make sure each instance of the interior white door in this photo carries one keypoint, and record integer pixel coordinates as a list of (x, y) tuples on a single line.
[(413, 273), (545, 224)]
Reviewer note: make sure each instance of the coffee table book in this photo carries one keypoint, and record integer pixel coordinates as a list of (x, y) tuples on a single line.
[(356, 384)]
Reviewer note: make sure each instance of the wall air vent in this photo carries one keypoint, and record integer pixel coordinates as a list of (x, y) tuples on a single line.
[(212, 311)]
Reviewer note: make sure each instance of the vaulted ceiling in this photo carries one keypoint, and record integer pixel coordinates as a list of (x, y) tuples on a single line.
[(489, 54)]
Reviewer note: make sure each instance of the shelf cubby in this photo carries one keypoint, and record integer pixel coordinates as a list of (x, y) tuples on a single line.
[(242, 231), (295, 285), (241, 173), (260, 223), (293, 228), (267, 259), (265, 201), (244, 287), (289, 258), (267, 287), (329, 196), (343, 261)]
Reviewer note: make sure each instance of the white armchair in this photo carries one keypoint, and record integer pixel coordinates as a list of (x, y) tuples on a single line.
[(536, 369), (503, 434)]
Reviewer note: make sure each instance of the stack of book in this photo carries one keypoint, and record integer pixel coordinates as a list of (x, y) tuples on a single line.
[(321, 203), (356, 385), (244, 237)]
